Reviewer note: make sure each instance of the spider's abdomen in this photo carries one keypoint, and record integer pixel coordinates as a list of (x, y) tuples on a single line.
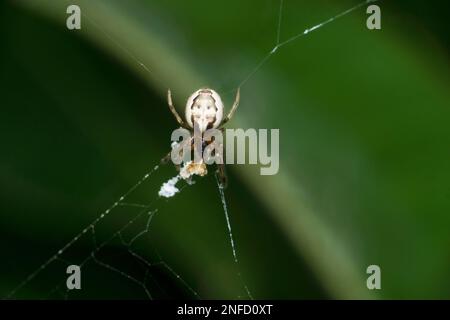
[(204, 108)]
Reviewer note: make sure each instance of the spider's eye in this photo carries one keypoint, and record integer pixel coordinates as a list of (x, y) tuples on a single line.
[(208, 107)]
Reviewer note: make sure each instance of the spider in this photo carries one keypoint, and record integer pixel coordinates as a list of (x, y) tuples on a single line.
[(204, 110)]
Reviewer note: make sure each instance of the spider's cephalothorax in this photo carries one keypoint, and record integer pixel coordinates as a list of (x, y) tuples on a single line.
[(204, 110)]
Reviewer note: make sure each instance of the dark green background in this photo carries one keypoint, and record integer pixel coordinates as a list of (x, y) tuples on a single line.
[(364, 137)]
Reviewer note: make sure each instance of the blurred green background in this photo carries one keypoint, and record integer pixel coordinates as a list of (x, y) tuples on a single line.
[(364, 148)]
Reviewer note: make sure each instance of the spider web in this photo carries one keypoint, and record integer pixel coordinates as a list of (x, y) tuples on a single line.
[(140, 222)]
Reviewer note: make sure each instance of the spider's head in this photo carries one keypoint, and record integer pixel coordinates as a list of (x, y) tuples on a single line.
[(204, 108)]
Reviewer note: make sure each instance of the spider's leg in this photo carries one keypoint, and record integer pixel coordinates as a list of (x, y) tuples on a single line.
[(233, 108), (220, 172), (173, 110), (167, 158), (221, 175)]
